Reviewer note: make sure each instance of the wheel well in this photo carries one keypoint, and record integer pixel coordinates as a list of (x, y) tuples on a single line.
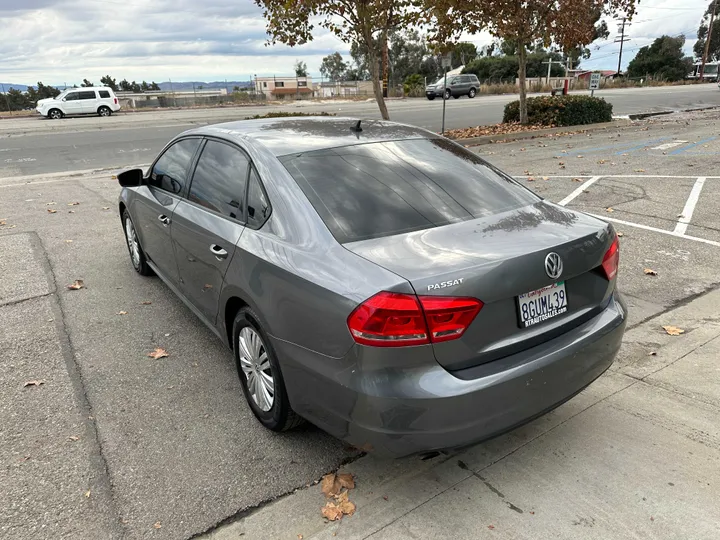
[(233, 305), (103, 107), (122, 208)]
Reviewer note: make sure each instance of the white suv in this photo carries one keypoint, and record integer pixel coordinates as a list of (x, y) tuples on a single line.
[(92, 100)]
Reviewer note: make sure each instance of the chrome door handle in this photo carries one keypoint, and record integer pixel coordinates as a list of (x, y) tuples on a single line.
[(219, 252), (164, 219)]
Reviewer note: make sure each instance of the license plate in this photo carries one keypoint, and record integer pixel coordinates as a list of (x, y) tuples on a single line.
[(539, 306)]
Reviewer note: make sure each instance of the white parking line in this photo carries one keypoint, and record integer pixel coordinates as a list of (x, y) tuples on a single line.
[(579, 190), (687, 213), (655, 229), (669, 145)]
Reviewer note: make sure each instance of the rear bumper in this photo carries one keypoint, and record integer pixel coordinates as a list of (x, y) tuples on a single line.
[(401, 411)]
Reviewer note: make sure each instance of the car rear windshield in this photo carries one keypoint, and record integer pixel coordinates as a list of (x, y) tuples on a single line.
[(380, 189)]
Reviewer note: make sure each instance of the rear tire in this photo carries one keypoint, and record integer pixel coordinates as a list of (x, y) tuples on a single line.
[(260, 375), (55, 114), (104, 111), (471, 93), (137, 255), (431, 97), (447, 94)]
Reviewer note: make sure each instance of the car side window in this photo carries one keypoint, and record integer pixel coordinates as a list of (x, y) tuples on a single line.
[(258, 205), (72, 96), (220, 179), (88, 94), (104, 94), (170, 172)]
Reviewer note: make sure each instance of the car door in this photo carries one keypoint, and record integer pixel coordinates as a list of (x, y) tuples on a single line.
[(156, 201), (208, 224), (464, 84), (72, 103), (88, 100)]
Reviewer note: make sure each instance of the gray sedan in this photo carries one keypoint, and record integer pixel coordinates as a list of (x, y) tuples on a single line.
[(376, 279)]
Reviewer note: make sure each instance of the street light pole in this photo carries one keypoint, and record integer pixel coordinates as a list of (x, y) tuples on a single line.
[(707, 42)]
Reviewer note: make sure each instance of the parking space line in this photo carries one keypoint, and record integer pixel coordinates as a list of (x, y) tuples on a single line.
[(655, 229), (687, 213), (691, 146), (640, 146), (579, 190)]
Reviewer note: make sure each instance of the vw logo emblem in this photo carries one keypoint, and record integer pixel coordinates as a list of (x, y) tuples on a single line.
[(553, 265)]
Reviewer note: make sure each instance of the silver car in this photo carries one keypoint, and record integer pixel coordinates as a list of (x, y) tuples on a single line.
[(376, 279)]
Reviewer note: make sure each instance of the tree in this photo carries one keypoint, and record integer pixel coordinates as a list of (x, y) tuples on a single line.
[(463, 53), (125, 86), (333, 67), (600, 31), (566, 23), (409, 55), (144, 87), (414, 85), (86, 84), (42, 92), (135, 87), (107, 80), (154, 86), (366, 22), (663, 59), (702, 33), (359, 55), (300, 69)]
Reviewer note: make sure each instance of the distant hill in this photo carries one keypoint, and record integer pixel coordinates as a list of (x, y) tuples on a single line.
[(8, 86), (184, 86)]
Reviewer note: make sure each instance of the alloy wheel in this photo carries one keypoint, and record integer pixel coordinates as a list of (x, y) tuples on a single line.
[(255, 364), (133, 243)]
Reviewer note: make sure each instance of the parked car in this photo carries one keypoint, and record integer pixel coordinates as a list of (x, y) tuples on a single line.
[(93, 100), (457, 85), (376, 279)]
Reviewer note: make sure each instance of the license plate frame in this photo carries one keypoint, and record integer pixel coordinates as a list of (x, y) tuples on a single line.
[(555, 305)]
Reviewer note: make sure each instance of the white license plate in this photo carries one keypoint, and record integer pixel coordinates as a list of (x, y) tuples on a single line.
[(539, 306)]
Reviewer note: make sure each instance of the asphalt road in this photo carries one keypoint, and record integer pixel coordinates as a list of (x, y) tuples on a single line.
[(105, 442), (35, 145)]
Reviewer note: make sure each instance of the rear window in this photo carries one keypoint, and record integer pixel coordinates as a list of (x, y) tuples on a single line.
[(380, 189), (104, 94)]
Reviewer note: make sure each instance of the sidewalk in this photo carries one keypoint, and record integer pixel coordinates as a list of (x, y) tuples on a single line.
[(636, 455)]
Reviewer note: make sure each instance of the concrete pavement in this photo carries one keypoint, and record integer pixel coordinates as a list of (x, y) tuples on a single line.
[(92, 142), (636, 455)]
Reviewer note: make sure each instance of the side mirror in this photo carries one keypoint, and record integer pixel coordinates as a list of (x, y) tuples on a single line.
[(64, 99), (131, 178)]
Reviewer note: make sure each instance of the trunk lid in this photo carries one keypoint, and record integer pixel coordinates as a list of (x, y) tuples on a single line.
[(495, 259)]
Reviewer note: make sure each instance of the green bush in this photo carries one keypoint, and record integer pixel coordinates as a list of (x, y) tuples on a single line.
[(570, 110)]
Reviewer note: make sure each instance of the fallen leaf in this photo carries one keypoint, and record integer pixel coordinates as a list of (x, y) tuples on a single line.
[(122, 312), (346, 480), (639, 170), (347, 508), (68, 241), (207, 286), (673, 330), (87, 494), (106, 208), (33, 383), (300, 537), (545, 178), (620, 235), (531, 179), (561, 163), (613, 163), (652, 353), (146, 303), (157, 525), (522, 149), (158, 353), (73, 203), (625, 154), (332, 512), (580, 157), (385, 497), (491, 527), (71, 211), (680, 216), (526, 173), (602, 161), (51, 203), (650, 272), (51, 211), (577, 180), (330, 485), (77, 285), (609, 210), (73, 438)]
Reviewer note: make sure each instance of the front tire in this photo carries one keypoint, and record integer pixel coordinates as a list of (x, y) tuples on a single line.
[(431, 97), (471, 93), (137, 255), (260, 375), (447, 94), (55, 114), (104, 111)]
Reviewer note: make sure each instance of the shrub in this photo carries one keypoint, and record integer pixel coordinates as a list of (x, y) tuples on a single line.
[(570, 110)]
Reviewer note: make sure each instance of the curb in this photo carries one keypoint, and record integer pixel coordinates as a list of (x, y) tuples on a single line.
[(642, 116), (489, 139)]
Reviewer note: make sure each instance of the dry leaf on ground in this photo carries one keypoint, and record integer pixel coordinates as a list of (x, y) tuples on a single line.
[(122, 312), (620, 234), (87, 494), (73, 203), (650, 272), (331, 511), (77, 285), (609, 210), (652, 353), (330, 485), (106, 208), (546, 178), (577, 180), (158, 353), (73, 438), (50, 203), (33, 383), (146, 303), (51, 211), (639, 170), (71, 211), (673, 330), (157, 525), (346, 480), (530, 179)]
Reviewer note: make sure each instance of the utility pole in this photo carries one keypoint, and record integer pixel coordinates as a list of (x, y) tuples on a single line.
[(550, 63), (707, 42), (621, 40)]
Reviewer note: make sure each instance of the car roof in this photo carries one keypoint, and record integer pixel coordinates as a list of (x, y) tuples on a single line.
[(292, 135)]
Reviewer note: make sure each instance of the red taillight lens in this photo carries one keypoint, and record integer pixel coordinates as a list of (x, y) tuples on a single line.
[(447, 318), (611, 260), (115, 100), (389, 320), (395, 320)]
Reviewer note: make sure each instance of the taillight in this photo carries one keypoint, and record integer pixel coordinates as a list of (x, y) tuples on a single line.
[(447, 318), (395, 320), (611, 260), (115, 100)]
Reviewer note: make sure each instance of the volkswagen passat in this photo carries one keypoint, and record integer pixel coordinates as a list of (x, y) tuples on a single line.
[(376, 279)]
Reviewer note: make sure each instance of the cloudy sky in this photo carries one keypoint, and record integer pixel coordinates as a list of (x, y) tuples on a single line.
[(64, 41)]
